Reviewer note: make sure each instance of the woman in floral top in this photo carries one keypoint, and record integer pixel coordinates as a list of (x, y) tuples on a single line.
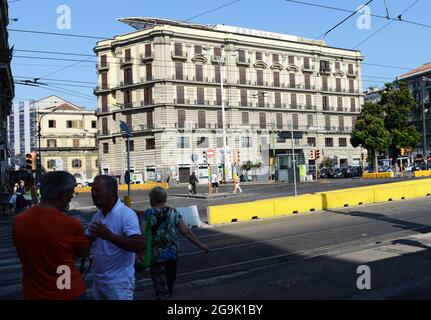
[(165, 245)]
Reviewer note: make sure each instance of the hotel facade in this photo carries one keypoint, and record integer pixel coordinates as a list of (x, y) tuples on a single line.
[(167, 81)]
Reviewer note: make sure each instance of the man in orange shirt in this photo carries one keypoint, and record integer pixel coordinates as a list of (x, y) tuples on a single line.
[(47, 241)]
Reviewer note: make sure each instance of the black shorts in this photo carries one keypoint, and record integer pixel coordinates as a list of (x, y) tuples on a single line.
[(214, 184)]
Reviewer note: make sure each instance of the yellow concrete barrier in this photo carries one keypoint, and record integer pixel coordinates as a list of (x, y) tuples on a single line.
[(369, 175), (299, 204), (318, 201), (422, 173), (240, 211), (347, 197), (123, 187)]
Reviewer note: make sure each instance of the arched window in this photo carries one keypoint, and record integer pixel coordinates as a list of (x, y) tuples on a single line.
[(76, 163)]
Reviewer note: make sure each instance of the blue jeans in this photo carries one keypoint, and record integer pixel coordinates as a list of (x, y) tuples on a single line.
[(114, 291)]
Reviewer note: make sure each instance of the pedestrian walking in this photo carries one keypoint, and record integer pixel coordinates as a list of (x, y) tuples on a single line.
[(115, 231), (192, 181), (47, 241), (214, 182), (165, 246), (237, 186)]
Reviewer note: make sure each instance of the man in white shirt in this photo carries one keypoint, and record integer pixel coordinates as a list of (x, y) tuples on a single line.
[(117, 236), (214, 182)]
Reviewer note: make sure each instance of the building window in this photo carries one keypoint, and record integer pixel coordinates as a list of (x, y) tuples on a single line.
[(329, 142), (148, 50), (351, 86), (291, 60), (149, 71), (51, 123), (295, 121), (51, 143), (74, 124), (181, 118), (324, 66), (352, 104), (199, 72), (259, 56), (150, 144), (218, 96), (51, 164), (262, 120), (127, 54), (132, 145), (104, 103), (328, 123), (309, 120), (200, 92), (202, 142), (279, 120), (338, 85), (293, 101), (292, 80), (244, 98), (277, 98), (325, 84), (219, 120), (217, 51), (341, 123), (242, 76), (105, 148), (353, 122), (342, 142), (219, 142), (93, 124), (182, 142), (311, 141), (275, 57), (148, 95), (306, 63), (150, 123), (104, 125), (246, 142), (76, 143), (325, 104), (339, 103), (201, 119), (129, 121), (180, 94), (337, 66), (276, 79), (217, 73), (245, 118), (308, 101), (76, 163), (128, 76), (350, 68), (307, 82), (178, 49), (198, 49), (241, 55), (178, 71)]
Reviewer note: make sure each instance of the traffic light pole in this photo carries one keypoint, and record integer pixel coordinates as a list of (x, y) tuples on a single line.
[(293, 161)]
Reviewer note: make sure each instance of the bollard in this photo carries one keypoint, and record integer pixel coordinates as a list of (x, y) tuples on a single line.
[(127, 201)]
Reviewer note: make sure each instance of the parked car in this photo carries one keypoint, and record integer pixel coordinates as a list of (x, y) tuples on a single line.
[(337, 173), (324, 173)]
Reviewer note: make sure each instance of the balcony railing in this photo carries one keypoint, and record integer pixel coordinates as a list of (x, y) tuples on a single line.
[(179, 55), (102, 66)]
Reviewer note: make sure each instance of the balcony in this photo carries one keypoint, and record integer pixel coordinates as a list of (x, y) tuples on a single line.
[(308, 68), (245, 62), (325, 70), (102, 88), (352, 73), (124, 62), (102, 67), (145, 58), (179, 56)]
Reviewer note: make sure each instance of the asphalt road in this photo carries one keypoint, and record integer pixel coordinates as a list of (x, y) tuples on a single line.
[(177, 197)]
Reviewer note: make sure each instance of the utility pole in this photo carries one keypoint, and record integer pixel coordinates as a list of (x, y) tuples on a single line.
[(293, 159), (423, 119)]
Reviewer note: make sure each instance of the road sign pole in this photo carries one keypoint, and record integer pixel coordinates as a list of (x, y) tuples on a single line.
[(293, 161), (128, 165)]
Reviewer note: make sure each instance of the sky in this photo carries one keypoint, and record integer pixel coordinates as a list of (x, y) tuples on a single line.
[(400, 45)]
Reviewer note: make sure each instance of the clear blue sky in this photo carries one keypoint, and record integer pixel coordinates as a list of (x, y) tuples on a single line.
[(399, 44)]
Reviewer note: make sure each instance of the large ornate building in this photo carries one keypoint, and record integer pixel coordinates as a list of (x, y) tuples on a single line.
[(167, 80)]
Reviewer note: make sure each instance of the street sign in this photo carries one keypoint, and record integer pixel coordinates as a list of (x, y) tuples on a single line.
[(287, 135), (125, 128), (210, 153)]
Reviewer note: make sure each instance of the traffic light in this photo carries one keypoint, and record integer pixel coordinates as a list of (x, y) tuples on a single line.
[(317, 153), (402, 151), (363, 156), (238, 157), (313, 154), (204, 156), (30, 161)]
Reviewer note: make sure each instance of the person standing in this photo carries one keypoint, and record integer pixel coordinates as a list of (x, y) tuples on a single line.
[(165, 246), (47, 241), (192, 181), (115, 231), (214, 182)]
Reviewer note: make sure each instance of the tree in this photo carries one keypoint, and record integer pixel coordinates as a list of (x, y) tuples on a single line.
[(370, 131), (397, 105), (327, 163)]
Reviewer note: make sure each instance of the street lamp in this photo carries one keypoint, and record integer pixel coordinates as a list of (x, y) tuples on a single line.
[(423, 119), (39, 135), (220, 63)]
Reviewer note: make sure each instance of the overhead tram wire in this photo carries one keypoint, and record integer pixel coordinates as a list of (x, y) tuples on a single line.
[(351, 11), (212, 10), (345, 19), (384, 26)]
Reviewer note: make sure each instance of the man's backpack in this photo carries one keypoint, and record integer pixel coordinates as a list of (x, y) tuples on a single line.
[(20, 201)]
